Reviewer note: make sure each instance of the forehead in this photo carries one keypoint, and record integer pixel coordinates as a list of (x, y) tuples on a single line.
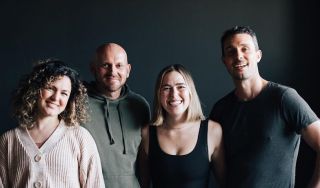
[(62, 82), (239, 39), (173, 77), (112, 54)]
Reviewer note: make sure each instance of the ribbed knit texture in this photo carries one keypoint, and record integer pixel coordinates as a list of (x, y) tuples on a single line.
[(69, 158)]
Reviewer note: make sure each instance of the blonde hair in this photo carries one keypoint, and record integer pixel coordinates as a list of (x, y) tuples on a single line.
[(194, 110)]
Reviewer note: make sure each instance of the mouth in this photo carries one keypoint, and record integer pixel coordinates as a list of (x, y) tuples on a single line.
[(111, 79), (51, 104), (240, 66), (175, 102)]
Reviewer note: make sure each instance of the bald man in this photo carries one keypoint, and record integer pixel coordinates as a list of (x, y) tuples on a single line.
[(117, 116)]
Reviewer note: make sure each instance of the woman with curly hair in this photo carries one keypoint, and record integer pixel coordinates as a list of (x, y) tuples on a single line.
[(49, 148)]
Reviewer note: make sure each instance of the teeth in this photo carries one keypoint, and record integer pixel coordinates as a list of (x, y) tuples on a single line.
[(52, 104), (242, 65), (176, 102)]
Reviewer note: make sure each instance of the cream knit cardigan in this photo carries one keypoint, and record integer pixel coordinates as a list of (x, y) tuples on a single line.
[(69, 158)]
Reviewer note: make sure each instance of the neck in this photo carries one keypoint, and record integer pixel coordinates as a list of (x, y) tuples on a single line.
[(175, 123), (47, 123), (42, 129), (249, 89), (113, 95)]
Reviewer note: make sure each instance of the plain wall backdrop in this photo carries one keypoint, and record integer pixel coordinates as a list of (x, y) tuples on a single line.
[(159, 33)]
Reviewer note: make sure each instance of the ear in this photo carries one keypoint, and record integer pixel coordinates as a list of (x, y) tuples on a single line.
[(259, 55), (128, 70)]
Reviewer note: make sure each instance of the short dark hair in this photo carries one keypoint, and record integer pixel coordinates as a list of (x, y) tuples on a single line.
[(238, 30), (25, 97)]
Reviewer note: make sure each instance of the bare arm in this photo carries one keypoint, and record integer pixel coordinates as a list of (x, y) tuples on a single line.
[(311, 134), (216, 151), (143, 162)]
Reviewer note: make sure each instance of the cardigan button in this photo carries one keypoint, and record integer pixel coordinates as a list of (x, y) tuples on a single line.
[(37, 158), (37, 184)]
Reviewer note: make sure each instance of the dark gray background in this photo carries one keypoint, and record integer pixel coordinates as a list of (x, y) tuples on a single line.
[(158, 33)]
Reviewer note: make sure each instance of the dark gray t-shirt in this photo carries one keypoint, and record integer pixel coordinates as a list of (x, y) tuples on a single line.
[(262, 136)]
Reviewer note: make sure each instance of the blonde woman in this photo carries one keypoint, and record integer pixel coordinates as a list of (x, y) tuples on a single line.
[(180, 148)]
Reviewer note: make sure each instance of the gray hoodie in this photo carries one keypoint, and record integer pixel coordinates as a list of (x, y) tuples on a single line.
[(116, 127)]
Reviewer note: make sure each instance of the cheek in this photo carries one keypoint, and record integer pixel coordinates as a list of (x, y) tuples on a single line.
[(101, 72), (44, 94), (124, 74), (186, 93), (228, 63), (64, 101), (186, 96), (163, 98)]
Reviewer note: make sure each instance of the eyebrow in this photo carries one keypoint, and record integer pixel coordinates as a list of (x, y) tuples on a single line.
[(177, 84), (69, 91)]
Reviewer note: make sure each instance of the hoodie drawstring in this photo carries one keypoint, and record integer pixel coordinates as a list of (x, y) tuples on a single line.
[(122, 130), (109, 130), (106, 118)]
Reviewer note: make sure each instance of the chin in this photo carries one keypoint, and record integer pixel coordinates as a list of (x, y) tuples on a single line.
[(52, 113)]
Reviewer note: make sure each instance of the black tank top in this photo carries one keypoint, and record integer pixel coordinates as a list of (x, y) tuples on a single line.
[(180, 171)]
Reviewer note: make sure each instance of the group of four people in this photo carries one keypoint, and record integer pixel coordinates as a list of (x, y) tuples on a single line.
[(250, 140)]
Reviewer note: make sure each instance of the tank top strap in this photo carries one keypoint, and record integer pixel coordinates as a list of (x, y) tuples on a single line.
[(153, 140), (202, 142)]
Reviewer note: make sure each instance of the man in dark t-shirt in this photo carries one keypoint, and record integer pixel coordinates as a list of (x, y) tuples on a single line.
[(261, 120)]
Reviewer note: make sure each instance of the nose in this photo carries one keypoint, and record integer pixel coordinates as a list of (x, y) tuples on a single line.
[(111, 68), (239, 55), (54, 96), (173, 92)]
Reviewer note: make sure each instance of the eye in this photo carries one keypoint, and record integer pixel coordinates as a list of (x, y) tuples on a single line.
[(165, 88), (50, 89), (65, 94), (180, 87), (230, 51), (105, 65), (246, 49), (119, 66)]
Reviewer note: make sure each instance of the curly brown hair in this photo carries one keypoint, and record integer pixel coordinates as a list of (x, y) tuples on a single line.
[(25, 97)]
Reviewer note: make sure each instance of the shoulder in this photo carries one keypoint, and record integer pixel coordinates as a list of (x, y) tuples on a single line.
[(138, 104), (80, 133), (145, 131), (9, 138), (7, 135), (279, 88), (214, 129), (285, 93), (135, 97), (224, 102), (214, 137), (226, 98), (214, 134), (145, 138)]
